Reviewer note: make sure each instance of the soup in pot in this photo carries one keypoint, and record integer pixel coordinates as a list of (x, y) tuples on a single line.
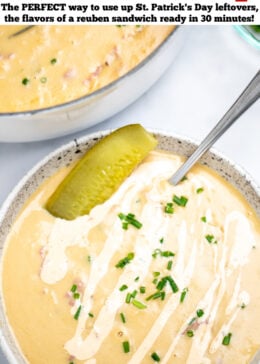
[(51, 65)]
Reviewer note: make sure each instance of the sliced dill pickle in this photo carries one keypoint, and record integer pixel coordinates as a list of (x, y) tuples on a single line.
[(101, 171)]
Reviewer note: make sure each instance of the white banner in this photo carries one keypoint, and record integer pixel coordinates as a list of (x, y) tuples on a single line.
[(130, 12)]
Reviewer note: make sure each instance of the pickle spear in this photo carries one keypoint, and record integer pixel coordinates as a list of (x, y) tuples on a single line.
[(101, 171)]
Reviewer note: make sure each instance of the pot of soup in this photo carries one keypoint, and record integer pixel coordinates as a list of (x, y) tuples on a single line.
[(56, 80)]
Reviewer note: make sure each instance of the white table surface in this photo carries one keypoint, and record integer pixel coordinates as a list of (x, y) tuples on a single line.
[(212, 69)]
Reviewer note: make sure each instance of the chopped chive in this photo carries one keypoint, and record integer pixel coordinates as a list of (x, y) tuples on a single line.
[(209, 238), (155, 295), (156, 252), (134, 293), (200, 312), (142, 289), (126, 346), (136, 224), (123, 317), (190, 333), (161, 240), (243, 305), (125, 225), (53, 60), (123, 262), (90, 314), (169, 265), (173, 285), (43, 79), (203, 218), (226, 339), (76, 316), (25, 81), (73, 288), (183, 294), (184, 178), (128, 298), (156, 274), (162, 283), (155, 357), (139, 304), (180, 201), (155, 281), (123, 287), (199, 190), (137, 279), (89, 258), (76, 296), (71, 362), (121, 216), (129, 219), (167, 254), (169, 208), (160, 286)]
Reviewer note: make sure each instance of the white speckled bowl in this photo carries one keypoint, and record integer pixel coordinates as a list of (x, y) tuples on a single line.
[(73, 151)]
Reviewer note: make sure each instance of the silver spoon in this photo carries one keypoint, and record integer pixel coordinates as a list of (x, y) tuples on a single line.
[(245, 100)]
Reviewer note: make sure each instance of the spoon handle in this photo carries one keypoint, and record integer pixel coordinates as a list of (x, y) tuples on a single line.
[(245, 100)]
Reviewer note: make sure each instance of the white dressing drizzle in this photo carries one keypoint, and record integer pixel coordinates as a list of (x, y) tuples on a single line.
[(63, 234), (203, 337), (243, 239), (167, 311), (234, 298)]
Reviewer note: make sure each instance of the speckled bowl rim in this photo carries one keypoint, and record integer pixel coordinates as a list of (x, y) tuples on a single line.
[(64, 155)]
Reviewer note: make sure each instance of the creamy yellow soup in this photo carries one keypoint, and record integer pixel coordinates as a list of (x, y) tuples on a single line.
[(49, 65), (176, 283)]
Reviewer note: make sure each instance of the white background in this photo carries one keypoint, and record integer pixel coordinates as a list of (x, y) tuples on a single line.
[(210, 72)]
